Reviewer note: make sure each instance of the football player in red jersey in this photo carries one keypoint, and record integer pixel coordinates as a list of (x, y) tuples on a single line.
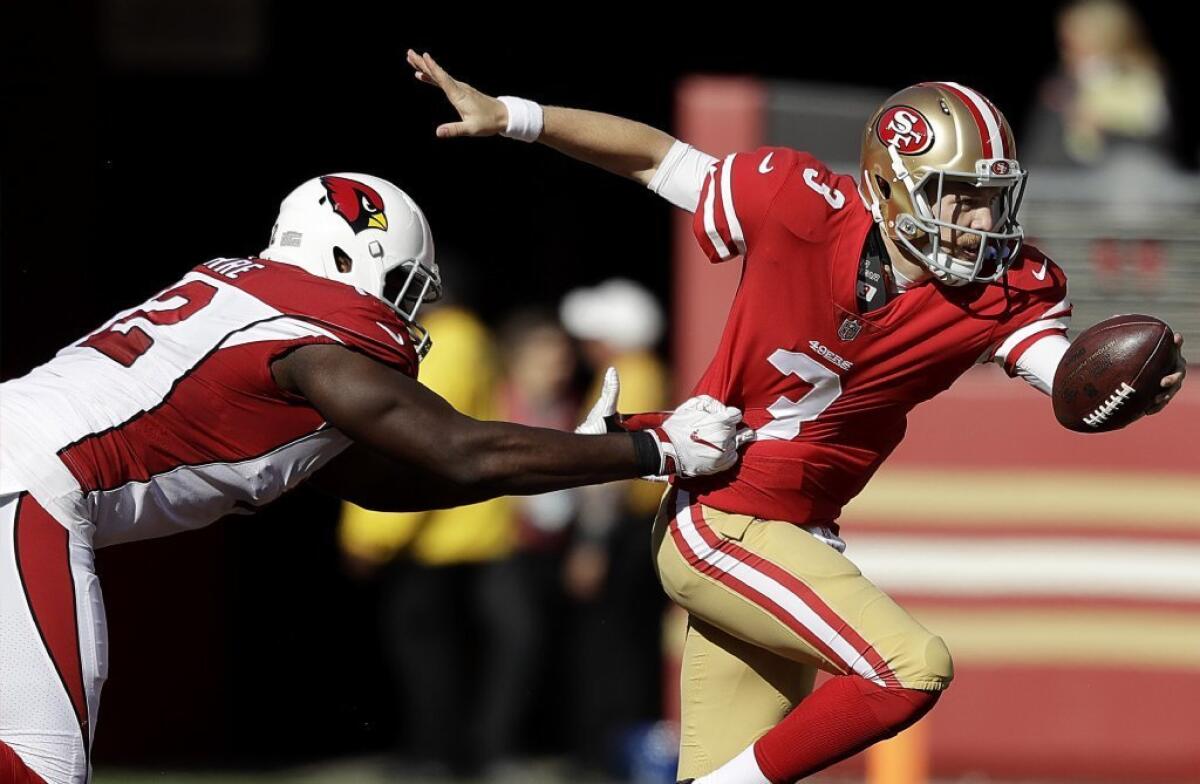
[(232, 387), (858, 301)]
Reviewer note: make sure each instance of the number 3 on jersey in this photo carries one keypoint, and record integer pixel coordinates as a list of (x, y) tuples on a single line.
[(124, 341), (836, 198), (788, 414)]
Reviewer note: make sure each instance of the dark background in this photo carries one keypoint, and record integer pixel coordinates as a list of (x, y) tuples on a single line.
[(142, 138)]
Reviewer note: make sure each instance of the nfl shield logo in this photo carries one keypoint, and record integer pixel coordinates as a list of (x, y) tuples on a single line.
[(849, 329)]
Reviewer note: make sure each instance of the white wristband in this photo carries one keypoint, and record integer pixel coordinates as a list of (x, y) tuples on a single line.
[(524, 119)]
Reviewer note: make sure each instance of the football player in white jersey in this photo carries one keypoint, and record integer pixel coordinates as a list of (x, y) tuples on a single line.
[(228, 389)]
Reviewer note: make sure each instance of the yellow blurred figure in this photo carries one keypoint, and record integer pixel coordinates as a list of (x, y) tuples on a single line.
[(1120, 90), (449, 588), (460, 369)]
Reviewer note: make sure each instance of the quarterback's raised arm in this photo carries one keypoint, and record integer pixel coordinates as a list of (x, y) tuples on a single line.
[(390, 413), (629, 148)]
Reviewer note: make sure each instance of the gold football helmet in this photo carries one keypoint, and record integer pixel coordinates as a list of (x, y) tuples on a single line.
[(918, 140)]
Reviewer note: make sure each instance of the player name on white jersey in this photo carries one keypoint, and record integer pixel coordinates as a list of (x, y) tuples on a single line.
[(231, 268)]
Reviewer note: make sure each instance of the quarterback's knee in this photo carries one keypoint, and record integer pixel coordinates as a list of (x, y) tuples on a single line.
[(926, 665), (939, 667)]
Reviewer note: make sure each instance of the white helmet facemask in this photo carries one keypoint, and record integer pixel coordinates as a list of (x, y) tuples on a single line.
[(919, 140), (997, 249), (365, 232)]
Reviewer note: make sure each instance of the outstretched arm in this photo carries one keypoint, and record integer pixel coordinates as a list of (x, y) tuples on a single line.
[(625, 147), (628, 148), (400, 420)]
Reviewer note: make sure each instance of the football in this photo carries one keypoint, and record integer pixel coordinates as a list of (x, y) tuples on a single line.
[(1111, 373)]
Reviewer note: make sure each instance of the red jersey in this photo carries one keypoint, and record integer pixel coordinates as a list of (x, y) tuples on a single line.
[(828, 388)]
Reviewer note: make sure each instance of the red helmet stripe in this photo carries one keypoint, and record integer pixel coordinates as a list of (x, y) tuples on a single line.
[(1008, 147), (987, 120)]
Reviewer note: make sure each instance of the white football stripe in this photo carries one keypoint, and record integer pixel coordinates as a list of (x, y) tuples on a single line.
[(710, 223), (735, 226), (769, 587), (1012, 340), (278, 329)]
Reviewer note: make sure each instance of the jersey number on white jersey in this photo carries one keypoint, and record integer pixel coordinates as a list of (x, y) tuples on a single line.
[(125, 340)]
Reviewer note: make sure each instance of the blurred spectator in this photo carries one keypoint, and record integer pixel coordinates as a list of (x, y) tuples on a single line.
[(538, 370), (456, 614), (1106, 109), (537, 388), (616, 658)]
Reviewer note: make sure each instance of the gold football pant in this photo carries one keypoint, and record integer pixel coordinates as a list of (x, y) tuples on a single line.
[(768, 605)]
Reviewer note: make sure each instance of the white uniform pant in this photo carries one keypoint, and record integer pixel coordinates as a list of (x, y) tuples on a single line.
[(53, 642)]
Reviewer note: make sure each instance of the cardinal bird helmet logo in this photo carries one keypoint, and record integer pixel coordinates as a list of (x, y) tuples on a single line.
[(360, 205)]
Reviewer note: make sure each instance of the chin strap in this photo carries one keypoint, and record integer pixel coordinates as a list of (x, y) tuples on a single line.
[(900, 170), (873, 205)]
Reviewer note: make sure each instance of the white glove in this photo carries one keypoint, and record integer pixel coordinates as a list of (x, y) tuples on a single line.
[(605, 406), (701, 437)]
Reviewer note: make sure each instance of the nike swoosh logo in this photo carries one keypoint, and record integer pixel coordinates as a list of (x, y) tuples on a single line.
[(765, 167), (398, 338), (700, 440), (1041, 274)]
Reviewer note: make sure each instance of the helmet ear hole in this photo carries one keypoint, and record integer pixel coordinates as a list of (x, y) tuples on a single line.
[(343, 261), (885, 188)]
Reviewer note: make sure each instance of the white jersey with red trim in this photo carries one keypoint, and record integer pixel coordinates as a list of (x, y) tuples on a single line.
[(168, 418), (829, 388)]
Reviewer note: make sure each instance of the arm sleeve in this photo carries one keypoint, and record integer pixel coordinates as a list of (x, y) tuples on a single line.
[(1033, 339), (680, 177), (1008, 352), (1038, 362), (735, 197)]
